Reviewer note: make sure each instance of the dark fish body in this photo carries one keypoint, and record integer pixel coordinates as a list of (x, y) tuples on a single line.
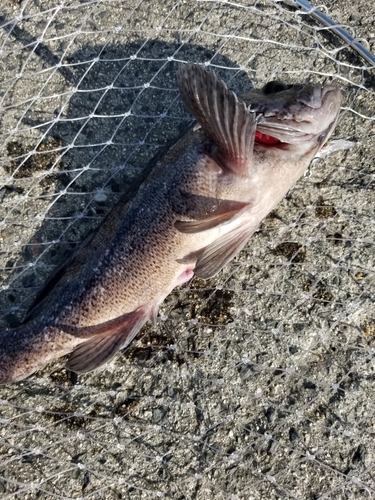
[(194, 213)]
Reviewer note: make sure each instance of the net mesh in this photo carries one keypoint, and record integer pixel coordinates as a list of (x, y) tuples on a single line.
[(258, 383)]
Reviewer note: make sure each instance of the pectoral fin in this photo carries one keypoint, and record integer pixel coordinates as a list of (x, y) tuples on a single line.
[(224, 120), (105, 339), (221, 251)]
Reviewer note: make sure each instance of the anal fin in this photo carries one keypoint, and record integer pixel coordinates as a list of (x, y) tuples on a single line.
[(105, 339)]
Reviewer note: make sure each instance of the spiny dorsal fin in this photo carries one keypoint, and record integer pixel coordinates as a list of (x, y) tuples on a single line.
[(224, 120)]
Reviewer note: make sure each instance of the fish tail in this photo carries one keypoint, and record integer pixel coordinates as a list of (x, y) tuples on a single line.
[(23, 351)]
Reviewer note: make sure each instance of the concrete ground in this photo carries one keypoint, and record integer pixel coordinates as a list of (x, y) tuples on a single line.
[(256, 384)]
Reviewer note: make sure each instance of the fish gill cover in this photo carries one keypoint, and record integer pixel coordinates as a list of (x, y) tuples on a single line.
[(258, 383)]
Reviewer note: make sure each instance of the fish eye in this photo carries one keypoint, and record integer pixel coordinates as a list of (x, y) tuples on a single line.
[(274, 86)]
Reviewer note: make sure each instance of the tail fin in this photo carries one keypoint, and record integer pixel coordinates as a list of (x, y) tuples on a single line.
[(224, 120)]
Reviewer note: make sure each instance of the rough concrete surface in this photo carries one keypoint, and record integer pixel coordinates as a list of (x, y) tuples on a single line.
[(257, 384)]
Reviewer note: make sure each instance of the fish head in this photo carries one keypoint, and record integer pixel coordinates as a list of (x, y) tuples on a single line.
[(256, 146), (293, 119)]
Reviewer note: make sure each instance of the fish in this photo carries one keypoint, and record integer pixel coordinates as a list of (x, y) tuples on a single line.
[(194, 213)]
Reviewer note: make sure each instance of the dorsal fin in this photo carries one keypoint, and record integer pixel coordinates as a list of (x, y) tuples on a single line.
[(224, 120)]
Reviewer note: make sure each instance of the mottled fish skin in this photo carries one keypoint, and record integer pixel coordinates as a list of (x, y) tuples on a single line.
[(194, 213)]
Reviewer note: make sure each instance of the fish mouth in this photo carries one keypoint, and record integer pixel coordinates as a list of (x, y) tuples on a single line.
[(294, 115)]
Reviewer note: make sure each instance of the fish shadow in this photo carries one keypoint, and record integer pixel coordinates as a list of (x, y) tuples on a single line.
[(97, 147)]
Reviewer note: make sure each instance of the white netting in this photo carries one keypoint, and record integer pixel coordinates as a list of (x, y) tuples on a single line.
[(257, 384)]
